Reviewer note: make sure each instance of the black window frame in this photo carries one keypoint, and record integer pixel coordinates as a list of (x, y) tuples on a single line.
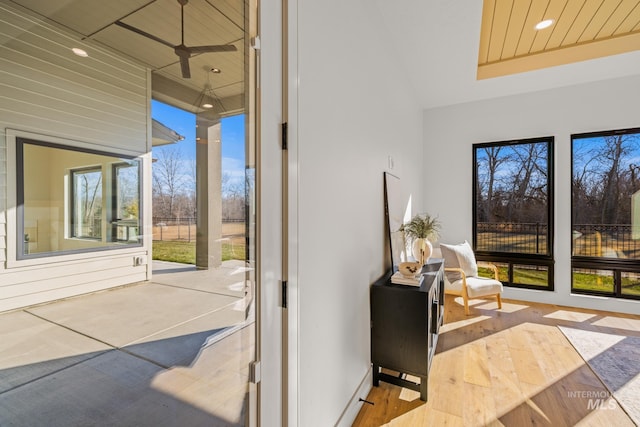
[(513, 258), (616, 266), (20, 244)]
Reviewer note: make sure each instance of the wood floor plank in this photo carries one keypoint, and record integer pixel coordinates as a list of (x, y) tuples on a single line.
[(510, 367), (476, 368)]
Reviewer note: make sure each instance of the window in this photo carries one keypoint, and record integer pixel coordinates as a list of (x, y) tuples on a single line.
[(86, 203), (513, 210), (126, 201), (605, 207), (74, 199)]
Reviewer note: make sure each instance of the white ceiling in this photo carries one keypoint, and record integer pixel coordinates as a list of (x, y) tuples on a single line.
[(437, 41)]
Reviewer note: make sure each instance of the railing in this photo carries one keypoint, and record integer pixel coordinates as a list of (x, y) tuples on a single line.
[(592, 240), (605, 241), (526, 238)]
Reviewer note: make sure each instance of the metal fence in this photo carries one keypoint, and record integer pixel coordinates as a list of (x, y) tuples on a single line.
[(605, 240), (526, 238), (184, 229), (594, 240), (174, 229)]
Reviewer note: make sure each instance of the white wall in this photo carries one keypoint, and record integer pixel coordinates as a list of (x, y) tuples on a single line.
[(352, 111), (100, 102), (449, 133)]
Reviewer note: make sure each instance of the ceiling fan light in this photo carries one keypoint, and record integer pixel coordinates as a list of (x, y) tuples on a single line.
[(207, 105), (544, 24), (80, 52)]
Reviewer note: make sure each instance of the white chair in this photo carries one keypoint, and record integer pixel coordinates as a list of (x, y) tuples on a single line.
[(461, 275)]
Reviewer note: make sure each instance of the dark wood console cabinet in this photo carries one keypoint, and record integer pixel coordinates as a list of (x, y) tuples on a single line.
[(405, 321)]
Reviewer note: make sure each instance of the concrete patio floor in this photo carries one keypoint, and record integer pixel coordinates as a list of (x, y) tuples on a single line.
[(171, 352)]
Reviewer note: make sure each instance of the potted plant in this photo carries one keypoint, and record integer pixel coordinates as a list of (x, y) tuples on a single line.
[(419, 230)]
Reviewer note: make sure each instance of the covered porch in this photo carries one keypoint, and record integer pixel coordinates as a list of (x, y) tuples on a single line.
[(175, 348)]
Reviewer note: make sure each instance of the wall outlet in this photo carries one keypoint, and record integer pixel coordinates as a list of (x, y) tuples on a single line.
[(139, 260)]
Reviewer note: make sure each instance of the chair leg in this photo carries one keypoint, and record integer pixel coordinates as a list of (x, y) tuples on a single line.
[(499, 301), (466, 305)]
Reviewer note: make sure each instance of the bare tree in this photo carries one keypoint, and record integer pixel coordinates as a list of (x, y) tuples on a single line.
[(488, 166), (614, 149), (527, 197), (169, 178)]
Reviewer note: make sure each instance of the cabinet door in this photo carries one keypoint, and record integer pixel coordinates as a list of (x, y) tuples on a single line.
[(400, 333)]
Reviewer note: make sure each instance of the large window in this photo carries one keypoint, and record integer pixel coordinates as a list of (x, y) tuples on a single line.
[(74, 200), (606, 213), (513, 210)]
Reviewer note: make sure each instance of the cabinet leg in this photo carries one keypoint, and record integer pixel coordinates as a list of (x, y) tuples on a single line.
[(423, 388), (376, 379)]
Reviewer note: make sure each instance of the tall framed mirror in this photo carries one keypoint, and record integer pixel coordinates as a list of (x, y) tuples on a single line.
[(398, 212)]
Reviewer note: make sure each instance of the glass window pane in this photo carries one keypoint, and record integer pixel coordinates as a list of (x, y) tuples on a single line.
[(87, 203), (591, 280), (606, 195), (503, 271), (64, 204), (631, 284), (512, 197), (126, 197), (532, 275)]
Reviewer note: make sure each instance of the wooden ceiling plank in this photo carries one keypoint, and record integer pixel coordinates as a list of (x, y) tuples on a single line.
[(536, 12), (630, 22), (554, 11), (599, 20), (516, 26), (582, 21), (617, 16), (568, 55), (488, 9), (499, 29), (564, 23)]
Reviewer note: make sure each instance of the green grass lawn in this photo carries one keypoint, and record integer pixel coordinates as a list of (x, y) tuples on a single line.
[(581, 280), (185, 252), (604, 283)]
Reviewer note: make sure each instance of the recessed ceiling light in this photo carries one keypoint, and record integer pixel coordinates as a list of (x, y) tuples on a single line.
[(207, 105), (544, 24), (80, 52), (216, 70)]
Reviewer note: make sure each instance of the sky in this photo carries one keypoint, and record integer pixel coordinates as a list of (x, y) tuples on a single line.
[(184, 123)]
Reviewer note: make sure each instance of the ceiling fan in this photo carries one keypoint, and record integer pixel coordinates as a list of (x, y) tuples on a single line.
[(183, 52)]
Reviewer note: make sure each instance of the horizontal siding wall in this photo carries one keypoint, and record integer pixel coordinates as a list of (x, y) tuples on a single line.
[(101, 100)]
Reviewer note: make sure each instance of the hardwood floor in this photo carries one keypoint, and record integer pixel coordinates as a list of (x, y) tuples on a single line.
[(512, 367)]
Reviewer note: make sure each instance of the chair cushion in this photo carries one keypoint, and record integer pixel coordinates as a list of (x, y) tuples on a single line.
[(459, 256), (476, 286)]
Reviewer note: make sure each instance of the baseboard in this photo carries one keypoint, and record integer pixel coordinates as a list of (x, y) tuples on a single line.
[(350, 413)]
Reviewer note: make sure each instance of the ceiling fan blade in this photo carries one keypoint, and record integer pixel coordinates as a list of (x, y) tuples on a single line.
[(184, 67), (212, 48), (143, 33)]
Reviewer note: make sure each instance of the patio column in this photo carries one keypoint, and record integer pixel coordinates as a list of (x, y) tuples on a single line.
[(208, 193)]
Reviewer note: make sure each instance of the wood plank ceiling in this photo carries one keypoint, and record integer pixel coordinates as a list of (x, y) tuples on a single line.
[(581, 30), (206, 22)]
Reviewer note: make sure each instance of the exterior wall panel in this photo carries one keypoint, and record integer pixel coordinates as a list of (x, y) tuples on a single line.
[(101, 101)]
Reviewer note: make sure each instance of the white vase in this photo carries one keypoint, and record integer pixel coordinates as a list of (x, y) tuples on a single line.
[(421, 250)]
